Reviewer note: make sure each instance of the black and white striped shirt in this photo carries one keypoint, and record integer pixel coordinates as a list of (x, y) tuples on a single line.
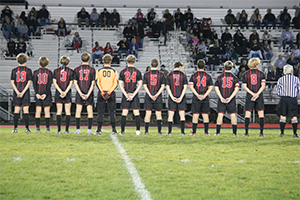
[(288, 86)]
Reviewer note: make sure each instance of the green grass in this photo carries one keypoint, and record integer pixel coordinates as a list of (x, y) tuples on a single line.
[(73, 166)]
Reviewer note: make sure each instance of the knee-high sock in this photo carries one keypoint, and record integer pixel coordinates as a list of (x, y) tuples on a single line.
[(37, 122), (77, 123), (138, 122), (58, 121), (123, 123), (68, 118), (282, 125), (47, 123), (261, 124), (90, 123), (159, 122), (194, 129), (295, 124), (146, 127), (170, 127), (205, 127), (16, 119), (182, 126), (218, 128), (234, 127), (26, 119), (247, 122)]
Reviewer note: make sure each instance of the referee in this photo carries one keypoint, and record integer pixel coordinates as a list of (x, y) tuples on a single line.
[(288, 88)]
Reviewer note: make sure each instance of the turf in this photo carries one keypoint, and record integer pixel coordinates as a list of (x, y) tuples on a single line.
[(53, 166)]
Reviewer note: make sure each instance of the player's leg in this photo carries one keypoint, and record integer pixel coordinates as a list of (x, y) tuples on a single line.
[(101, 104), (159, 121), (123, 120), (170, 121), (147, 120), (233, 123), (195, 123), (59, 107), (38, 111), (261, 117), (205, 118), (112, 112), (17, 110), (77, 117), (295, 125), (136, 114), (47, 117), (219, 123), (282, 123), (68, 116), (89, 109), (26, 118), (247, 121)]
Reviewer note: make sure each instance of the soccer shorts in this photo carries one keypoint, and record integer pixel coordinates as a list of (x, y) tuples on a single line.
[(229, 107), (43, 103), (288, 106), (24, 101), (258, 104), (88, 101), (66, 99), (200, 106), (156, 105), (173, 106), (134, 104)]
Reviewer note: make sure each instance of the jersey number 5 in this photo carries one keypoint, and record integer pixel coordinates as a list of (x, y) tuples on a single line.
[(129, 77), (153, 79)]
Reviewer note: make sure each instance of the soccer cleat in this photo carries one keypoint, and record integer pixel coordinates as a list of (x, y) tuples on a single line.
[(217, 134), (59, 132), (192, 133), (261, 135), (114, 132), (146, 133), (159, 133), (281, 135), (138, 132), (67, 132), (48, 131), (89, 132), (169, 134), (77, 131), (122, 133), (183, 134), (246, 135), (97, 132), (15, 130), (27, 130), (295, 135), (207, 134), (235, 135), (38, 130)]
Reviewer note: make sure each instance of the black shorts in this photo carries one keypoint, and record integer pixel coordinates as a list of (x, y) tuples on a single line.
[(134, 104), (43, 103), (66, 99), (89, 101), (156, 105), (200, 106), (288, 106), (258, 104), (24, 101), (229, 107), (173, 106)]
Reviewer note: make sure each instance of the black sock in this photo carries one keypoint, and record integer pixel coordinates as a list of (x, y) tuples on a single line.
[(113, 126), (261, 124), (37, 122), (234, 127), (47, 123), (90, 123), (205, 127), (123, 123), (137, 122), (295, 124), (194, 129), (146, 127), (16, 119), (247, 122), (26, 119), (68, 118), (170, 127), (218, 128), (77, 123), (58, 121), (282, 126), (99, 126), (159, 122), (182, 125)]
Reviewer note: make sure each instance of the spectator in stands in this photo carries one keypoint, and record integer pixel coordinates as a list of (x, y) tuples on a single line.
[(139, 34), (32, 24), (11, 47), (94, 18), (8, 29), (151, 16), (226, 36), (23, 30), (255, 50), (205, 27), (115, 18), (140, 17), (256, 18), (105, 18), (243, 19), (298, 39), (235, 69), (188, 18), (195, 43), (253, 36), (242, 69), (201, 37), (23, 17), (123, 47), (98, 52), (134, 48), (169, 20), (21, 46), (230, 18), (62, 27), (200, 55), (228, 48), (269, 19), (179, 18), (43, 16), (285, 18), (33, 13), (296, 52), (295, 63), (287, 38), (272, 76), (17, 22), (108, 49), (279, 64), (6, 12), (155, 29), (267, 50), (202, 47), (128, 32), (148, 68), (189, 37), (240, 43), (195, 26), (77, 42), (83, 16), (214, 38), (163, 70), (267, 36)]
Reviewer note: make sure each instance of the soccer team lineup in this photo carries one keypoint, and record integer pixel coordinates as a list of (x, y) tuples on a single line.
[(130, 80)]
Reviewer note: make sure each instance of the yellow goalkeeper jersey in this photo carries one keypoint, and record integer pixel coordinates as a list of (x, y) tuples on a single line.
[(107, 79)]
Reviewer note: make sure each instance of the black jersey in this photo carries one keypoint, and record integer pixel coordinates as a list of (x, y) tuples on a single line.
[(84, 75), (42, 81), (253, 78), (154, 79), (63, 76), (130, 76), (227, 83), (200, 80), (21, 75), (176, 80)]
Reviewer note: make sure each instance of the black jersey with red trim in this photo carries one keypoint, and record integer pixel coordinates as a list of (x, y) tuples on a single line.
[(21, 75), (176, 80), (42, 81), (85, 75), (201, 81), (154, 79), (227, 83), (130, 76), (63, 76), (253, 78)]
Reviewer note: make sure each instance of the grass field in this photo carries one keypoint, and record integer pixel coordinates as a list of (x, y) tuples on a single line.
[(54, 166)]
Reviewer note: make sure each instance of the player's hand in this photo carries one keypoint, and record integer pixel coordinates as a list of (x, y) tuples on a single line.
[(174, 99), (228, 100), (21, 94), (106, 96), (38, 96), (62, 94), (223, 100), (130, 97), (201, 97), (155, 97), (254, 97), (178, 100), (43, 96)]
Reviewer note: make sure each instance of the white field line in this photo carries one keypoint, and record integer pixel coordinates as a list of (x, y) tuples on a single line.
[(137, 181)]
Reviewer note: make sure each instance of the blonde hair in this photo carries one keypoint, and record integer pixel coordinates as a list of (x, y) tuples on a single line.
[(131, 59), (253, 63), (228, 65), (85, 57), (287, 69), (43, 61), (64, 60), (107, 59), (22, 58), (177, 64)]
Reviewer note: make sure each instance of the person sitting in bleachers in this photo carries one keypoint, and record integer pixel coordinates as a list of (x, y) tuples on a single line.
[(285, 18), (169, 20), (205, 27), (243, 19), (151, 16), (253, 36), (98, 53), (256, 18), (298, 39), (108, 49), (115, 18), (94, 18), (195, 26), (139, 34), (179, 18), (295, 63), (269, 19), (21, 46), (8, 29), (6, 12), (240, 43), (287, 38), (272, 76), (202, 47), (83, 16), (296, 52), (123, 47), (243, 68), (11, 47), (43, 16), (32, 25), (267, 36), (23, 17), (77, 42), (214, 38), (33, 13), (188, 18), (230, 18), (255, 50), (279, 64), (128, 32), (134, 48), (140, 17), (267, 50), (226, 36), (189, 37), (23, 30), (195, 43), (105, 18), (62, 28)]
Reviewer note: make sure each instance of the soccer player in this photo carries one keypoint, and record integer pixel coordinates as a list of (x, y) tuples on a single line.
[(21, 78), (63, 81), (176, 85), (42, 81), (130, 83), (84, 82), (154, 84), (226, 87), (106, 81), (288, 88), (254, 82), (201, 85)]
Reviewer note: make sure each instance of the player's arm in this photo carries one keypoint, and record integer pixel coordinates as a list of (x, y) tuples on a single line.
[(69, 86), (91, 89), (121, 83), (236, 89), (12, 82), (162, 87), (77, 88), (210, 88), (247, 89), (56, 85), (26, 88), (219, 94), (182, 93), (114, 85), (140, 84), (170, 93), (147, 90)]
